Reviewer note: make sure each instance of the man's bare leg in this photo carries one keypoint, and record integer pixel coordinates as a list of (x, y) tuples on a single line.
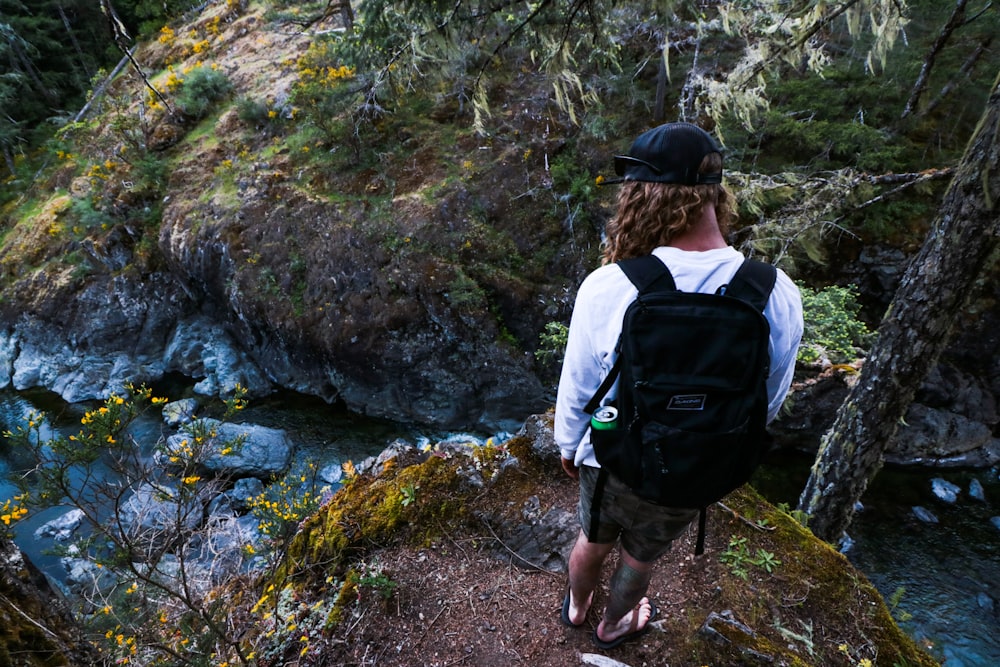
[(585, 563), (626, 599)]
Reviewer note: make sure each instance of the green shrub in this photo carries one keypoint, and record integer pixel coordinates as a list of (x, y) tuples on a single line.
[(552, 342), (570, 179), (89, 215), (832, 328), (202, 88)]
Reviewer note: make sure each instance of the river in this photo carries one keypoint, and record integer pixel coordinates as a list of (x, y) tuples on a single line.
[(941, 579)]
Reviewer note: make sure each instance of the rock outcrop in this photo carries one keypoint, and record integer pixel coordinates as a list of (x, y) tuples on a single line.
[(35, 626)]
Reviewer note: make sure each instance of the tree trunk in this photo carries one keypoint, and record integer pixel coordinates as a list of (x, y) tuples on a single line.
[(85, 69), (933, 291), (9, 159), (347, 14), (659, 110)]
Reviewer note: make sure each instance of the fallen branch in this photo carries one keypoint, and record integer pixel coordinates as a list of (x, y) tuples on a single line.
[(956, 19), (99, 91), (907, 180), (752, 524), (38, 625)]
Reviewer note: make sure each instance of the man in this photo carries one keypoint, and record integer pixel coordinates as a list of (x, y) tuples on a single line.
[(672, 204)]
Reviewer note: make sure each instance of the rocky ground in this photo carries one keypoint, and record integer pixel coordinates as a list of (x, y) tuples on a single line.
[(453, 607)]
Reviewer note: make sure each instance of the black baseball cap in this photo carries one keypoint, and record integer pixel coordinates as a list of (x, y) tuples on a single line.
[(670, 153)]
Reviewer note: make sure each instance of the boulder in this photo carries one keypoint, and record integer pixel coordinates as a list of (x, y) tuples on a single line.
[(62, 527), (941, 438), (158, 514), (179, 413), (945, 490), (237, 450), (201, 348)]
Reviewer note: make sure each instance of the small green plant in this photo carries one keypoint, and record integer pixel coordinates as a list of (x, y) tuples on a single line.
[(252, 111), (832, 328), (798, 515), (805, 637), (894, 600), (261, 113), (87, 215), (766, 560), (738, 557), (465, 293), (571, 181), (409, 494), (378, 581)]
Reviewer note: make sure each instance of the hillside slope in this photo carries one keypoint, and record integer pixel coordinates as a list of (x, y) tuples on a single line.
[(228, 243)]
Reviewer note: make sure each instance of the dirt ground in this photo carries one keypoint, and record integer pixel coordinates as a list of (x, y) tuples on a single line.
[(452, 606)]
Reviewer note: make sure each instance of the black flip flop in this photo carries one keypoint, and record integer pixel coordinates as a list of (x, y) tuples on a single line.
[(628, 636), (564, 616)]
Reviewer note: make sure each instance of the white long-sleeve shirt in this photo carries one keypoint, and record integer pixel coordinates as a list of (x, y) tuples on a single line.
[(596, 324)]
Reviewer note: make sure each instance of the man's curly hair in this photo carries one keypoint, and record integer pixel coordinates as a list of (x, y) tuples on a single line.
[(652, 214)]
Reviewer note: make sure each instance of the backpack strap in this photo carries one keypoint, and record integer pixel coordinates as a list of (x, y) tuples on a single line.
[(648, 274), (752, 283), (602, 391), (699, 547)]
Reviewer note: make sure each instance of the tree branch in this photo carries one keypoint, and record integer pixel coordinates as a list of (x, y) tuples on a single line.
[(797, 42), (906, 180), (963, 73), (955, 21)]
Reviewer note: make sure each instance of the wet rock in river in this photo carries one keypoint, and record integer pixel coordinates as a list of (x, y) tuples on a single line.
[(945, 490), (245, 450), (61, 528)]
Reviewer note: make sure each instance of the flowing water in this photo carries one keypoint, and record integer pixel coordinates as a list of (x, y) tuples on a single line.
[(942, 579), (323, 434)]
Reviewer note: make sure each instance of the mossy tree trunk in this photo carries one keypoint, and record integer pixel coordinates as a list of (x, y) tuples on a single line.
[(932, 292)]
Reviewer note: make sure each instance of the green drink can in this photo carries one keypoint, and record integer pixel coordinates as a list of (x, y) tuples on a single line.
[(604, 418)]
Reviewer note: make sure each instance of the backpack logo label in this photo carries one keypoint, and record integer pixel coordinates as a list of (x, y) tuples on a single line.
[(687, 402)]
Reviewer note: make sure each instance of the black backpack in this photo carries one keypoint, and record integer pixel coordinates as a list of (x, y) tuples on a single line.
[(692, 401)]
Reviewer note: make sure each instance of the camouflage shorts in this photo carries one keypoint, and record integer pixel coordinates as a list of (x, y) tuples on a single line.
[(646, 529)]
